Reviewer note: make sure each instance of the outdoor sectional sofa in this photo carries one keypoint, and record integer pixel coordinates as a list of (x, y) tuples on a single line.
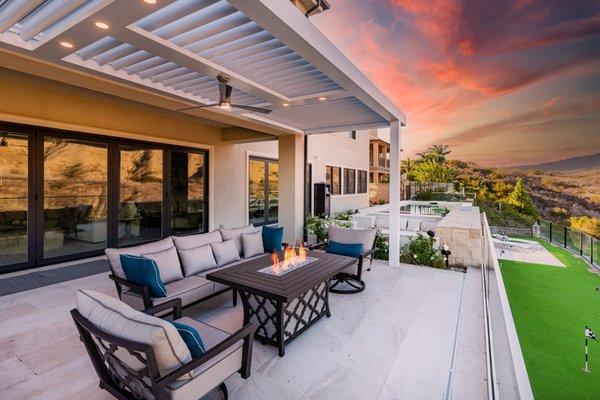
[(183, 262)]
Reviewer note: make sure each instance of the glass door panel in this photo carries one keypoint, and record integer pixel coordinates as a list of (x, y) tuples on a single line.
[(140, 195), (273, 191), (75, 196), (13, 198), (256, 191), (188, 192)]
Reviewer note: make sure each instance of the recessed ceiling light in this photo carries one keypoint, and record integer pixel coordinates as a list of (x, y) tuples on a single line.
[(68, 45), (101, 25), (286, 104), (321, 98), (149, 1)]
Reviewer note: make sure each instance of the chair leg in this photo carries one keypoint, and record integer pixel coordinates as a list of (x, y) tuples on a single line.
[(235, 296), (224, 390)]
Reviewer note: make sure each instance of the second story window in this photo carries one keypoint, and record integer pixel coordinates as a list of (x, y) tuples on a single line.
[(352, 135)]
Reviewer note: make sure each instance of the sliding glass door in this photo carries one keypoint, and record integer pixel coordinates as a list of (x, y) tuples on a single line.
[(14, 192), (263, 191), (65, 196), (75, 189)]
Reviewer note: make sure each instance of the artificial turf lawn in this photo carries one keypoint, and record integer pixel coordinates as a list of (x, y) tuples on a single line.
[(551, 307)]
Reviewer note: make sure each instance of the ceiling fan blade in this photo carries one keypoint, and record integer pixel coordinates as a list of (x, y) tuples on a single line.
[(201, 106), (253, 109)]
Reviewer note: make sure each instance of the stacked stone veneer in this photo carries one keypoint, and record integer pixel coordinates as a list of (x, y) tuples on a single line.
[(461, 231)]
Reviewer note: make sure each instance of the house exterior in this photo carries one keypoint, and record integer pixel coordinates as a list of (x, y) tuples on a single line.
[(98, 146), (379, 169)]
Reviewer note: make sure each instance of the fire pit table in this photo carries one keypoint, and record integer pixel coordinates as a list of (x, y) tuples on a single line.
[(284, 298)]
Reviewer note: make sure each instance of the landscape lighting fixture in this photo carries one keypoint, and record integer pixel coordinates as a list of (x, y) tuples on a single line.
[(101, 25)]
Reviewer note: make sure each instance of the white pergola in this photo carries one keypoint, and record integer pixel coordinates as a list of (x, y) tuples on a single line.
[(174, 49)]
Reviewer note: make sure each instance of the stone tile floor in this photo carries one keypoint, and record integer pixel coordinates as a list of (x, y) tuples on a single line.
[(392, 341)]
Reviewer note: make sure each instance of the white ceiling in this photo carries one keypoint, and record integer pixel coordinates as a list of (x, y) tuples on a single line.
[(178, 47)]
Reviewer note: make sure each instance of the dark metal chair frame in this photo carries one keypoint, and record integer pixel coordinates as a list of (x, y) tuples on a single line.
[(344, 278), (101, 346)]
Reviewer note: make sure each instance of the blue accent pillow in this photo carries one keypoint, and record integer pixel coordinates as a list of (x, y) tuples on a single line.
[(143, 271), (191, 337), (272, 238), (344, 249)]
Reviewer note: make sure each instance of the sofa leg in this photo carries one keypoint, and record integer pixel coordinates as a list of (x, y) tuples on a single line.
[(235, 296), (224, 390)]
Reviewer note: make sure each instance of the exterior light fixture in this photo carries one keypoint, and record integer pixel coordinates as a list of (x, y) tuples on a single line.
[(101, 25), (322, 98), (286, 104), (446, 253), (67, 45), (149, 1), (224, 105), (4, 142)]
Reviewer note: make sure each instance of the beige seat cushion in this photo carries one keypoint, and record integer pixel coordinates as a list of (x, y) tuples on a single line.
[(236, 235), (118, 319), (188, 289), (202, 239), (353, 235), (211, 374), (197, 259), (154, 247)]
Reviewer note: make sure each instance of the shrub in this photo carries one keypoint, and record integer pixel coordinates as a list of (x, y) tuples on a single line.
[(586, 224), (319, 226), (382, 247), (421, 251)]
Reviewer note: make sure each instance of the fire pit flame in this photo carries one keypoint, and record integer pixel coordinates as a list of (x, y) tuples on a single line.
[(293, 257)]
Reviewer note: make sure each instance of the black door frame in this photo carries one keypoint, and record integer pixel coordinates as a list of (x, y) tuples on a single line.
[(267, 161), (35, 208)]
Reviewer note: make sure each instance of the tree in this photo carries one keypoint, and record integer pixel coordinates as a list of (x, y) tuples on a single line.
[(437, 152), (586, 224), (433, 171), (520, 199), (141, 168)]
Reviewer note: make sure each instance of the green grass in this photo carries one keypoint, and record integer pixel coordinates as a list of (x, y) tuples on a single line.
[(551, 307)]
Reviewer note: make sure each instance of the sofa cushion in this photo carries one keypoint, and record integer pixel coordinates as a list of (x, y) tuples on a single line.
[(113, 254), (214, 371), (353, 235), (143, 271), (344, 249), (225, 252), (118, 319), (197, 259), (272, 237), (189, 289), (168, 264), (192, 241), (236, 235), (252, 244), (191, 337)]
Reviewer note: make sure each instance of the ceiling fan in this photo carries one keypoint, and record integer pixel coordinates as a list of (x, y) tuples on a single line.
[(225, 99)]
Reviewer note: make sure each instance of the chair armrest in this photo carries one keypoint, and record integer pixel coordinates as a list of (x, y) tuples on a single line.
[(174, 304), (318, 246), (141, 289), (246, 333), (370, 252)]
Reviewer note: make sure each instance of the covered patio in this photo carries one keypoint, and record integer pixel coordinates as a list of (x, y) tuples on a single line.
[(110, 56), (416, 333)]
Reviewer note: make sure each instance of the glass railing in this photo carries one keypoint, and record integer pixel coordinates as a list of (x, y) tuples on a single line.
[(574, 240)]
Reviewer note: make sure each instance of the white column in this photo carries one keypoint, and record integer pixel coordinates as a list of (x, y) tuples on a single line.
[(394, 247), (291, 187)]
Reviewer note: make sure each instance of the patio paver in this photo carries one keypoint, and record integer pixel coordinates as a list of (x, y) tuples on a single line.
[(392, 341)]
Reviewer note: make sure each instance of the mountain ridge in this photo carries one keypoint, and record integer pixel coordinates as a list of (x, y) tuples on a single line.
[(589, 161)]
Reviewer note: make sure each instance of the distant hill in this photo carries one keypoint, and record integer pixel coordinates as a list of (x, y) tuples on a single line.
[(568, 164)]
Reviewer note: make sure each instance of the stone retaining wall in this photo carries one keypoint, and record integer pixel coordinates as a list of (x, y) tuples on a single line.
[(461, 231)]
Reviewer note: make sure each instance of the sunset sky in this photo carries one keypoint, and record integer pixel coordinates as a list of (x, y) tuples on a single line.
[(501, 82)]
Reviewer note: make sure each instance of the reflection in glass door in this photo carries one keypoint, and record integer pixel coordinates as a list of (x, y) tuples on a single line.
[(140, 195), (75, 196), (188, 192), (13, 198), (263, 191)]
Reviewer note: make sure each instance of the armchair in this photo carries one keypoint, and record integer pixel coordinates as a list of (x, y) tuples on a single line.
[(134, 369)]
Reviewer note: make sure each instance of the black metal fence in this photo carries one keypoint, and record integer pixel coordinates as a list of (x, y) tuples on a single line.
[(574, 240)]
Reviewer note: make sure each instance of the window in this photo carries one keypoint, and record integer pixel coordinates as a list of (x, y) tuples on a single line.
[(333, 177), (370, 177), (362, 181), (349, 181), (352, 135), (263, 191)]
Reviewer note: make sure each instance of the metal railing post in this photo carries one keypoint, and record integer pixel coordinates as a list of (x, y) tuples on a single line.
[(591, 249), (581, 242), (565, 242), (551, 232)]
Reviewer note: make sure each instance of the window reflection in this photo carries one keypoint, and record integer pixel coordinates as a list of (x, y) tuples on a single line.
[(188, 186)]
